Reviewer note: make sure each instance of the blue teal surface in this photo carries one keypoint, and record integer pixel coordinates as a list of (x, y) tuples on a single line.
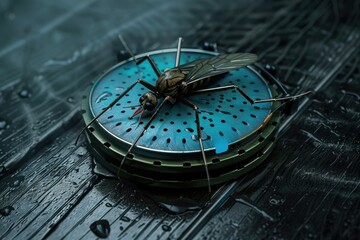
[(225, 117)]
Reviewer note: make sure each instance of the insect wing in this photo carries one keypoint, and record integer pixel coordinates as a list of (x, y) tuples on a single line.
[(187, 67), (220, 64)]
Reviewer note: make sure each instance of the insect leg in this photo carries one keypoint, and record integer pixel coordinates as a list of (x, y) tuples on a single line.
[(223, 88), (177, 59), (137, 61), (289, 98), (166, 99), (145, 84), (285, 99), (198, 128), (152, 63), (123, 42)]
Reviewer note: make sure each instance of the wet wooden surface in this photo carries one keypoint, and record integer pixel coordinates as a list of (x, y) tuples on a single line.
[(49, 52)]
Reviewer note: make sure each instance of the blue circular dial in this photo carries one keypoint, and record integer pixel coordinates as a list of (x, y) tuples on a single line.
[(226, 117)]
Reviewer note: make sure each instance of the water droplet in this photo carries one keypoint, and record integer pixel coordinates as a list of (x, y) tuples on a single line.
[(176, 205), (108, 204), (17, 181), (119, 88), (101, 228), (125, 219), (166, 228), (204, 137), (276, 200), (2, 124), (25, 93), (104, 96), (81, 151), (5, 211), (70, 99), (2, 170)]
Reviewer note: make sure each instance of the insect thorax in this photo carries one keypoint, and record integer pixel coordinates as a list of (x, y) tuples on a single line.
[(171, 83)]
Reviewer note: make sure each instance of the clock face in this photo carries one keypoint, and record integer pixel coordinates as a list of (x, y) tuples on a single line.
[(226, 117), (237, 135)]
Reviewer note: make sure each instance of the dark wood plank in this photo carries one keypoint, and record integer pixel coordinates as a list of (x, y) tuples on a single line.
[(308, 188)]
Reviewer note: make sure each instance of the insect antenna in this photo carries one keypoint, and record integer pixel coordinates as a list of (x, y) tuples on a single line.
[(142, 113)]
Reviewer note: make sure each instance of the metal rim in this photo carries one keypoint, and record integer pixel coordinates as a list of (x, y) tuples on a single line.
[(142, 148)]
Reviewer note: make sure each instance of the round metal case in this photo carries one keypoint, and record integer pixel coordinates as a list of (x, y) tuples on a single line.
[(237, 135)]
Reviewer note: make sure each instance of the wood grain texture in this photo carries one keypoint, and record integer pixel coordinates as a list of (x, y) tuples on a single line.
[(49, 52)]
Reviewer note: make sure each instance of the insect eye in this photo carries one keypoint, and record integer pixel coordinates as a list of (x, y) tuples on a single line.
[(149, 106), (141, 99)]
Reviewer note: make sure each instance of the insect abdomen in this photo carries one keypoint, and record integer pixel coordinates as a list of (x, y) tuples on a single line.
[(198, 84)]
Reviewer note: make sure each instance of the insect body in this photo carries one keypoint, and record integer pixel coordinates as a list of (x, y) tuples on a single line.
[(170, 84), (174, 85)]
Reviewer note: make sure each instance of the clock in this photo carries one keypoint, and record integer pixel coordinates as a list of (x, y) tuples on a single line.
[(237, 136)]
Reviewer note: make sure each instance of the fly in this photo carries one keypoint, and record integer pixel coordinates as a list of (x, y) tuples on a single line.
[(176, 84)]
